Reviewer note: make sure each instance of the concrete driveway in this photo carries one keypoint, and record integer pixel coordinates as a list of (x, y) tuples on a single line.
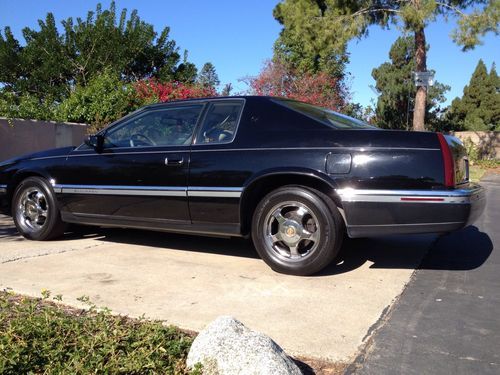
[(189, 281)]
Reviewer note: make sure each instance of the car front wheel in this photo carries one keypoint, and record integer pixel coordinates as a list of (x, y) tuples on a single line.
[(297, 230), (35, 210)]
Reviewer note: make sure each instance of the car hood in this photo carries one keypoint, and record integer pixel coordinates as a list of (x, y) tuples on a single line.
[(62, 151)]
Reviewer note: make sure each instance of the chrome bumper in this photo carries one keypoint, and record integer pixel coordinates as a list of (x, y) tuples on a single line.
[(381, 212)]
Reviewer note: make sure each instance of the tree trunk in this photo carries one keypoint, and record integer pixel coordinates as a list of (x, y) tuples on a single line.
[(421, 95)]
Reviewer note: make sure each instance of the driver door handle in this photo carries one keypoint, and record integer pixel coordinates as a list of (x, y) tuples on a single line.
[(173, 161)]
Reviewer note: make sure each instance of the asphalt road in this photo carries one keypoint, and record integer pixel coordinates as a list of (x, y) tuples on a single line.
[(447, 321)]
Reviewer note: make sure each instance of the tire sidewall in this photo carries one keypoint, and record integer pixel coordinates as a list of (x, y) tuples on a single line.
[(53, 216), (322, 255)]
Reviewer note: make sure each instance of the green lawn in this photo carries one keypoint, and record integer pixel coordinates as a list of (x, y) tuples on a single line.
[(480, 167), (476, 172), (41, 337)]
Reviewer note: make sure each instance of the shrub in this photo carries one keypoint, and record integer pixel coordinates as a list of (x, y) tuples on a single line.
[(152, 91), (26, 106), (104, 100), (277, 79), (37, 336)]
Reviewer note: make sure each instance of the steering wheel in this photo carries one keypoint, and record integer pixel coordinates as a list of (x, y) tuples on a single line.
[(206, 134), (138, 136)]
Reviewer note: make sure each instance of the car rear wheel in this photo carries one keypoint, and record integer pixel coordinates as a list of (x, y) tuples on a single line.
[(297, 230), (35, 210)]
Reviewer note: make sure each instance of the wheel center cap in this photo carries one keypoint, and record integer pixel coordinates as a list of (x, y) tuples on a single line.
[(30, 207), (290, 231)]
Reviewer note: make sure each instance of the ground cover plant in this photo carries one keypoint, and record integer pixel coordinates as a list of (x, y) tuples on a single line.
[(39, 336)]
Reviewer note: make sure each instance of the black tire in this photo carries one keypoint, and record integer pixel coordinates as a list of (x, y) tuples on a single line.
[(35, 210), (277, 225)]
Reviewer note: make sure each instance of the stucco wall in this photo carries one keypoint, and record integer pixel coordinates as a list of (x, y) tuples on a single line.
[(487, 142), (26, 136)]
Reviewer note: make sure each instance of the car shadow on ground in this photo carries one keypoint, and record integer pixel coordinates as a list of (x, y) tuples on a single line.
[(466, 249), (8, 231), (462, 250)]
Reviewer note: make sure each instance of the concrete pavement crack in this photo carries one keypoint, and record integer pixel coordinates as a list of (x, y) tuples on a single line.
[(49, 252)]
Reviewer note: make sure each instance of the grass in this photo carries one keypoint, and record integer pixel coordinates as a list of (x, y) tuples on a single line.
[(41, 337), (476, 172), (480, 167)]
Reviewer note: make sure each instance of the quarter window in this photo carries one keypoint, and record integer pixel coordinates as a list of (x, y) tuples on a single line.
[(220, 123), (159, 127)]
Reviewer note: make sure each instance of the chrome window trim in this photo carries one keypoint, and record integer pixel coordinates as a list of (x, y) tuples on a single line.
[(149, 110)]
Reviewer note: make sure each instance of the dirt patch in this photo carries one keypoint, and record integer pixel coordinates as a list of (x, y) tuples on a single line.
[(312, 366)]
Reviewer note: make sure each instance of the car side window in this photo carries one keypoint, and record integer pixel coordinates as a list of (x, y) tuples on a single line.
[(220, 123), (158, 127)]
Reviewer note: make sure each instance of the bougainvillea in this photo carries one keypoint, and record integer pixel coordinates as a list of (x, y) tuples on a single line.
[(276, 79), (152, 91)]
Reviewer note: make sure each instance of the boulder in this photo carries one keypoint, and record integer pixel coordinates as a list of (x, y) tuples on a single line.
[(227, 347)]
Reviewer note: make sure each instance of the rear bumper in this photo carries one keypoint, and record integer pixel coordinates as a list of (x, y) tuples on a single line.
[(381, 212)]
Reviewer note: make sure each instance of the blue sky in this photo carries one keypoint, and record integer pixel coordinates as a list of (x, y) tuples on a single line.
[(237, 36)]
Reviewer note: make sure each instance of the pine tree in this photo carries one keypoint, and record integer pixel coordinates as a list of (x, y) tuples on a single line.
[(226, 91), (394, 82), (479, 107), (208, 76)]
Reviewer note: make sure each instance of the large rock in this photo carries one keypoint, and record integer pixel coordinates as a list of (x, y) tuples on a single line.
[(227, 347)]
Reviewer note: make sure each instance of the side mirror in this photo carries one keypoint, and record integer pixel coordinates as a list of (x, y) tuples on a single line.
[(95, 141)]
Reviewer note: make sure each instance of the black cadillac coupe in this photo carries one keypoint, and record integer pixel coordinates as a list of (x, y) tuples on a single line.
[(294, 177)]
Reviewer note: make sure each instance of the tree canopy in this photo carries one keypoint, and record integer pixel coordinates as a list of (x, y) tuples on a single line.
[(394, 82), (479, 107), (92, 70), (316, 30), (51, 63)]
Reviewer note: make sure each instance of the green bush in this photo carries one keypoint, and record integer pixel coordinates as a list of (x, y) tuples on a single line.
[(104, 100), (26, 106), (38, 336)]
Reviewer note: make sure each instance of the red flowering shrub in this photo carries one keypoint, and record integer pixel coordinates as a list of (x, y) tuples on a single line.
[(320, 89), (151, 91)]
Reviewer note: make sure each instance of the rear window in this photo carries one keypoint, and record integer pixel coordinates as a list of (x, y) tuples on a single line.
[(325, 116)]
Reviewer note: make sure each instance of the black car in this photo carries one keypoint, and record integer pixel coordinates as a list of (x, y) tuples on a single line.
[(293, 176)]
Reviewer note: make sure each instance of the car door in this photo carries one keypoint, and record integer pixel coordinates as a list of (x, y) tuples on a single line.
[(140, 173), (215, 175)]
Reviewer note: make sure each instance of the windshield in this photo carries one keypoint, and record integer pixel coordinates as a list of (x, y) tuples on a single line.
[(324, 115)]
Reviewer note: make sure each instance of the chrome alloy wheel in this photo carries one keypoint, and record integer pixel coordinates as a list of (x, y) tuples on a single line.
[(32, 210), (292, 230)]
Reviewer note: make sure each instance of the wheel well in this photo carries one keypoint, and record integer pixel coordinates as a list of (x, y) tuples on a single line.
[(253, 194)]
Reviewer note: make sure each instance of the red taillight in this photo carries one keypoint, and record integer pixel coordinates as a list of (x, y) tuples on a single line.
[(449, 164)]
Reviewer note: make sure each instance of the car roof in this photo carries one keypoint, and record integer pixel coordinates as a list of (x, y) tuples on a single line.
[(209, 98)]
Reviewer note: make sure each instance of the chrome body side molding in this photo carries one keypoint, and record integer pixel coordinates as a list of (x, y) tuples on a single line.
[(458, 196), (165, 191)]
